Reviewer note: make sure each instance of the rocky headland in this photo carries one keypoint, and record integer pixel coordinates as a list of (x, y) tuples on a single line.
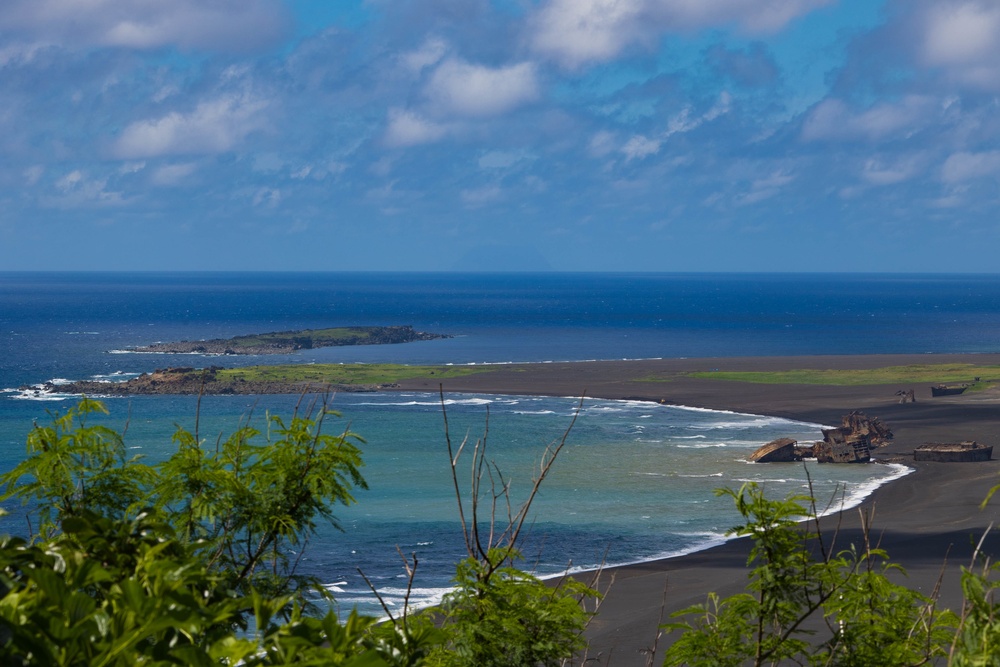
[(206, 381)]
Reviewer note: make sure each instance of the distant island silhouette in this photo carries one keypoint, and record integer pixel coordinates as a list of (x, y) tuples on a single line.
[(286, 342)]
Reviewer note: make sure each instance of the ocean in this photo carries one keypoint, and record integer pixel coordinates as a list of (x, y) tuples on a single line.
[(635, 481)]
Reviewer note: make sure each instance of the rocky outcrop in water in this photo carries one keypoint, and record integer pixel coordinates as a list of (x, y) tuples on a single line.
[(286, 342)]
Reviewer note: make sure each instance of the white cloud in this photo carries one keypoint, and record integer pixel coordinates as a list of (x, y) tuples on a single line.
[(164, 92), (880, 171), (832, 119), (579, 32), (464, 89), (76, 189), (19, 54), (969, 166), (430, 53), (575, 32), (172, 174), (960, 33), (962, 37), (268, 197), (140, 24), (70, 180), (407, 128), (215, 126), (132, 167), (765, 187), (602, 143), (777, 179), (638, 147)]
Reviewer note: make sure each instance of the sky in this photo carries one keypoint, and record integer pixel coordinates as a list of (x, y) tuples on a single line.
[(510, 135)]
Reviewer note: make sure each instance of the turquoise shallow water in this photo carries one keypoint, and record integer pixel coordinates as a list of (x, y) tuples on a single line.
[(636, 479)]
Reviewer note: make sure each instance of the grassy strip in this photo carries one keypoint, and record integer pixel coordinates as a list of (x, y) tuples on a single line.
[(931, 373), (344, 373)]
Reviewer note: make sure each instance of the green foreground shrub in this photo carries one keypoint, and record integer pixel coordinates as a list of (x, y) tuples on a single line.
[(796, 585), (187, 562)]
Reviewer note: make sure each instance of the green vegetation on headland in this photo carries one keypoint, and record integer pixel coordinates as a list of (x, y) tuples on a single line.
[(285, 342), (343, 373), (929, 373), (277, 379), (298, 378)]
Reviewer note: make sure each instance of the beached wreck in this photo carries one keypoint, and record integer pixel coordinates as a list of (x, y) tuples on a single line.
[(851, 442), (953, 452), (781, 450), (948, 389)]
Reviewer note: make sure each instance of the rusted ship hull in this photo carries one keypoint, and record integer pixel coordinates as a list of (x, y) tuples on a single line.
[(945, 390), (781, 450), (958, 452), (854, 451)]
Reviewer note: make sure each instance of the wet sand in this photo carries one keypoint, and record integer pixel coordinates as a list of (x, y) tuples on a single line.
[(928, 521)]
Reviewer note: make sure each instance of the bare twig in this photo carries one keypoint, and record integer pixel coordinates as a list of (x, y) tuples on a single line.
[(453, 459), (548, 460), (385, 607), (411, 572)]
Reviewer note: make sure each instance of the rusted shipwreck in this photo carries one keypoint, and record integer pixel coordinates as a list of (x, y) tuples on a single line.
[(851, 442), (948, 389), (953, 452)]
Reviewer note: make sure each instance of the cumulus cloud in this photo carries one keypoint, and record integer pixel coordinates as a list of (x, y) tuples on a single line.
[(407, 128), (465, 89), (961, 37), (579, 32), (961, 167), (961, 32), (576, 32), (214, 126), (832, 119), (236, 25), (456, 92)]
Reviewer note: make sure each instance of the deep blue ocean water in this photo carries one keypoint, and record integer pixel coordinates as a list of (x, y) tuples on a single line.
[(636, 479)]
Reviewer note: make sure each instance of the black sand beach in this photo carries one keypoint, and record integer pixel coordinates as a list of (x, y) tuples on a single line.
[(927, 520)]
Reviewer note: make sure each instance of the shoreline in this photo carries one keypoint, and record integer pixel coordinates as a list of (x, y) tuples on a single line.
[(922, 519), (928, 521)]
